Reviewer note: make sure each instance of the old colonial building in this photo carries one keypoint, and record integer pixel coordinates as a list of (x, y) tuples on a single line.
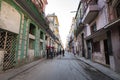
[(98, 31), (71, 40), (23, 29), (113, 32), (55, 45)]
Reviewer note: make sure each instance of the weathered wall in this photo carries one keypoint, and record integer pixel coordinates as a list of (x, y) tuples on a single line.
[(99, 56), (31, 54), (116, 46), (79, 40), (102, 18), (88, 32), (9, 18)]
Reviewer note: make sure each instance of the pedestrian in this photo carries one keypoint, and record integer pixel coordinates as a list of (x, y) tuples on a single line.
[(63, 52), (51, 53), (54, 51), (60, 51), (47, 53)]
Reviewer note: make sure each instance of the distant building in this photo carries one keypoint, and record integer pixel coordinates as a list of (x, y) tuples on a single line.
[(54, 26), (71, 37)]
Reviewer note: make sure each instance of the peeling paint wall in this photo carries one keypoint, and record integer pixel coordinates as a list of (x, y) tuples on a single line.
[(102, 18), (100, 56), (10, 18), (116, 47)]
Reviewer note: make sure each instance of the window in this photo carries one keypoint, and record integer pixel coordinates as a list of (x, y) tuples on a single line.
[(32, 29), (41, 35), (46, 37), (96, 46), (31, 44), (118, 10), (41, 45), (93, 28)]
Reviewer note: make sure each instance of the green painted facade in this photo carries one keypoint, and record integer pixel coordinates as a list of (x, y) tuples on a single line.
[(0, 4), (43, 47), (22, 49)]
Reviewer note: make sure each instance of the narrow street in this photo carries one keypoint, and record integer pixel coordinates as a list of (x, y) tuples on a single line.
[(35, 34), (62, 68)]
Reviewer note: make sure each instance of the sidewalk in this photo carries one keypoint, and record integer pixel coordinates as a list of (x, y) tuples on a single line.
[(13, 72), (101, 68)]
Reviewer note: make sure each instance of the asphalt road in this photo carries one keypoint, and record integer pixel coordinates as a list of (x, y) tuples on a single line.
[(62, 68)]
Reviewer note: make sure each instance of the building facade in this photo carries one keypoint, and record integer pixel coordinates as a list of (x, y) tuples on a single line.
[(71, 40), (98, 31), (55, 45), (23, 29)]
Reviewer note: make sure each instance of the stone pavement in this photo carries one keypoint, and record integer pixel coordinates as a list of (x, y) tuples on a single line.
[(66, 67), (13, 72), (101, 68)]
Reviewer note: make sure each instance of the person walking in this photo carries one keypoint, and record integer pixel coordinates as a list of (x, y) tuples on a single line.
[(47, 53), (60, 51), (63, 52)]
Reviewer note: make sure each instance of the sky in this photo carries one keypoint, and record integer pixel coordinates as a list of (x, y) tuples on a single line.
[(62, 9)]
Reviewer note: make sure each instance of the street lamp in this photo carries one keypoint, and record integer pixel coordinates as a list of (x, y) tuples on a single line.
[(73, 11)]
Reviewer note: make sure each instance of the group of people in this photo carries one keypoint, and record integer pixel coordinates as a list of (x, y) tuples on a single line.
[(52, 53)]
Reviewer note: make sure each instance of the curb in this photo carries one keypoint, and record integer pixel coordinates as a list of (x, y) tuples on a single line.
[(113, 76), (14, 72)]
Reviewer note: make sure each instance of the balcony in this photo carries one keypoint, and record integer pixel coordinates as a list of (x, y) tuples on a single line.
[(29, 7), (90, 13), (79, 27), (31, 10)]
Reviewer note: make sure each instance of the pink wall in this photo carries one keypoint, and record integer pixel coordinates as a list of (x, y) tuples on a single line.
[(116, 46), (43, 3)]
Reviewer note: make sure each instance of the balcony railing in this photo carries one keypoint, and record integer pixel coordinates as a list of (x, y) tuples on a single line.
[(29, 7), (79, 22), (90, 13), (79, 27)]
